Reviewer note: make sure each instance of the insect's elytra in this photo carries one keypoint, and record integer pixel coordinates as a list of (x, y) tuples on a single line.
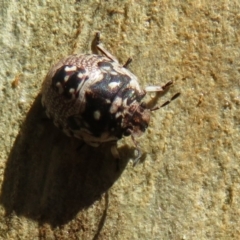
[(94, 98)]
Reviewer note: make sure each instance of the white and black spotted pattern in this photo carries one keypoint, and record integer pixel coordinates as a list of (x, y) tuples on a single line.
[(94, 98)]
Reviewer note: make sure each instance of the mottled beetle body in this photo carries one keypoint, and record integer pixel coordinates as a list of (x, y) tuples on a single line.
[(95, 99)]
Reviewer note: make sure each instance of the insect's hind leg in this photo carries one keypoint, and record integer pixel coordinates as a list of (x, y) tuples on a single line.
[(98, 47)]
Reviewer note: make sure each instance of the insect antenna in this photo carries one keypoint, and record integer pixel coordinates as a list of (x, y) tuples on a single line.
[(166, 103)]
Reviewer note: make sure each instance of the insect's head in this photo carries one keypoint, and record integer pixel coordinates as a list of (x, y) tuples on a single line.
[(136, 119)]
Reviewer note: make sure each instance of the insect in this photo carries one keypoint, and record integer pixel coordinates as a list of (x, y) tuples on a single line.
[(94, 98)]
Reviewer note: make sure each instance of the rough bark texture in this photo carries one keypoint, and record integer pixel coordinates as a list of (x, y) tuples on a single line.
[(188, 187)]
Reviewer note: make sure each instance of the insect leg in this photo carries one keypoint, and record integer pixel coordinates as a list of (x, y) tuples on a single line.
[(126, 64), (158, 88), (98, 47), (139, 153), (114, 151)]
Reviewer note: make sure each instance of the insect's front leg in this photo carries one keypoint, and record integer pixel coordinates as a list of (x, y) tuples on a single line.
[(116, 155), (114, 151)]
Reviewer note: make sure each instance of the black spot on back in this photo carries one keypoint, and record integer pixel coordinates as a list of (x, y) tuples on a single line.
[(72, 82)]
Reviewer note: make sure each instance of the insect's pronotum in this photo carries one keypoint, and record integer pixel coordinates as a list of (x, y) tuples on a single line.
[(94, 98)]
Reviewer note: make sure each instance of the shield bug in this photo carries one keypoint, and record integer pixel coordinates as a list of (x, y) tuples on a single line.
[(94, 98)]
